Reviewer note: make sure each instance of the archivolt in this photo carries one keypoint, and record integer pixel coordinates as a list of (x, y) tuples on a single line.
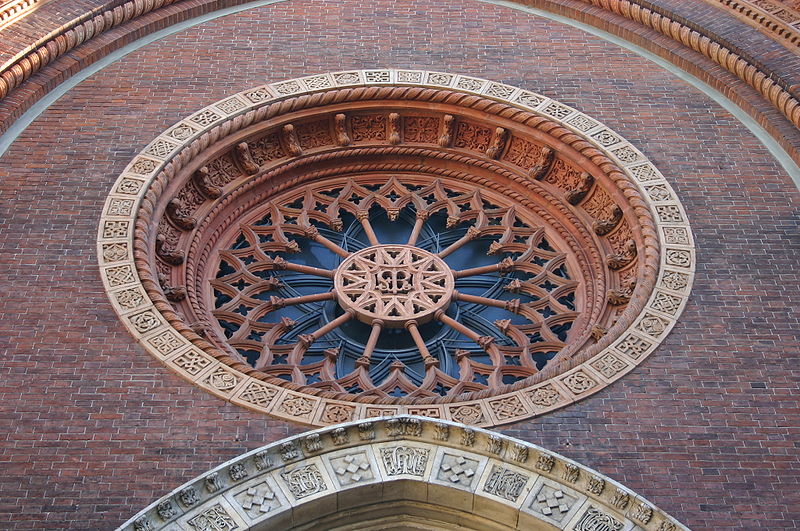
[(409, 471)]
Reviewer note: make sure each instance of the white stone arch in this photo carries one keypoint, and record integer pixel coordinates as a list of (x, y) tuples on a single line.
[(402, 472)]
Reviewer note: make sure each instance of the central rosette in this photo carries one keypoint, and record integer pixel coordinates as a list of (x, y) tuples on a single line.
[(395, 284)]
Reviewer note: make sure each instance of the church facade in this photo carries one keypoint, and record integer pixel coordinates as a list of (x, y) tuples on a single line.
[(323, 265)]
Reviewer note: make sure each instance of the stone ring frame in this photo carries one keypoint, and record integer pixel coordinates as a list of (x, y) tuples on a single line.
[(428, 473), (642, 281)]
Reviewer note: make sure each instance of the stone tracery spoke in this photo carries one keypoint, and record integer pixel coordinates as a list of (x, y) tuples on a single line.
[(472, 233), (306, 340), (282, 265), (504, 266), (485, 342), (363, 217), (374, 335)]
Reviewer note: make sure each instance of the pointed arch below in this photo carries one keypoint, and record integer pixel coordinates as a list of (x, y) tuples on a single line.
[(402, 472)]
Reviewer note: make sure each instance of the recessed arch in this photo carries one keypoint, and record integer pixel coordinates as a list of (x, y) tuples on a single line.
[(401, 472)]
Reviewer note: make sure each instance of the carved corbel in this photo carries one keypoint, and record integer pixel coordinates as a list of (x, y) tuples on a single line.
[(340, 126), (598, 331), (503, 325), (506, 265), (448, 126), (540, 171), (494, 248), (331, 354), (277, 302), (618, 261), (336, 224), (171, 256), (461, 354), (311, 232), (306, 339), (515, 286), (512, 306), (604, 226), (394, 128), (178, 216), (485, 341), (272, 283), (199, 329), (578, 194), (171, 293), (244, 158), (202, 181), (291, 141), (622, 296), (473, 232), (497, 144), (277, 263)]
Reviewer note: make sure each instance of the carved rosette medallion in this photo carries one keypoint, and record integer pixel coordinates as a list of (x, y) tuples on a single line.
[(395, 284), (339, 247)]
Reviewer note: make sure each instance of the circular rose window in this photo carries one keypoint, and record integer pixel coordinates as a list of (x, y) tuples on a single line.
[(365, 243)]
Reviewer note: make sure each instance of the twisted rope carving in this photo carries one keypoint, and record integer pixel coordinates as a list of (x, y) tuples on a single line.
[(94, 23), (771, 90)]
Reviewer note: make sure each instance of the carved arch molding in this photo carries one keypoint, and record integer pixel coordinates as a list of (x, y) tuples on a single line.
[(411, 471), (369, 243)]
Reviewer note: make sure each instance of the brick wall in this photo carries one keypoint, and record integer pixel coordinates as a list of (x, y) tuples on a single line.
[(93, 429)]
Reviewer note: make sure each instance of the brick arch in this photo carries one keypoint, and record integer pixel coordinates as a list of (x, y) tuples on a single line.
[(414, 470), (132, 18)]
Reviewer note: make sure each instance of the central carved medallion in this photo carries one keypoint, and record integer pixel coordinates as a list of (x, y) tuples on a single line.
[(395, 284)]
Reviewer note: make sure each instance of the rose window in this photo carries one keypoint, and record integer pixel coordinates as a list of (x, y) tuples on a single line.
[(394, 286), (366, 243)]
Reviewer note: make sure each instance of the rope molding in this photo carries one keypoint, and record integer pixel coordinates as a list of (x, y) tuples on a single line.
[(11, 11), (775, 92), (769, 18), (84, 28)]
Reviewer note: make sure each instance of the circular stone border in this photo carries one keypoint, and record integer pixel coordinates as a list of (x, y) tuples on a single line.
[(185, 139), (294, 482)]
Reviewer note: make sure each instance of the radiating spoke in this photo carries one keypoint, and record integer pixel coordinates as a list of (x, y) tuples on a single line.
[(377, 326), (421, 217), (471, 234), (278, 302), (511, 306), (429, 360), (363, 217), (306, 340), (281, 264), (505, 265), (312, 233), (485, 342)]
